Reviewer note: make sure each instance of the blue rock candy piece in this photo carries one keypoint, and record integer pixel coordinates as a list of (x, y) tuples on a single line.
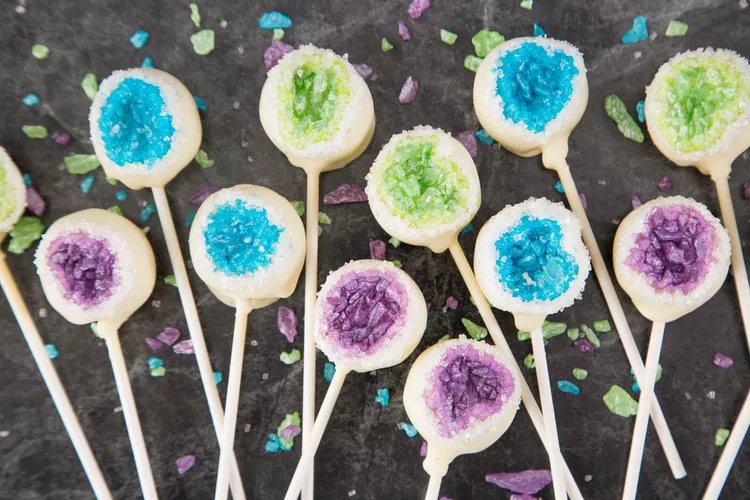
[(484, 137), (568, 387), (638, 32), (409, 429), (31, 100), (154, 362), (121, 195), (87, 183), (383, 397), (139, 39), (538, 31), (640, 109), (200, 103), (329, 370), (559, 187), (147, 212), (52, 351), (273, 444), (273, 20), (147, 63)]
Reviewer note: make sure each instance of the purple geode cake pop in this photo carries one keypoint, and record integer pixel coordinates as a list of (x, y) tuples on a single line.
[(370, 315)]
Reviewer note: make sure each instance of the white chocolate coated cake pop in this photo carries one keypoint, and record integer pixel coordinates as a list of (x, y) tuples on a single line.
[(370, 315), (317, 109), (461, 395), (423, 188), (145, 127), (247, 242), (531, 92), (96, 266), (671, 255), (12, 193)]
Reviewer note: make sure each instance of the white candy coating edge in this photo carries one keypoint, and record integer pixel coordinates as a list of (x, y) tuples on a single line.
[(14, 178), (486, 255), (395, 349)]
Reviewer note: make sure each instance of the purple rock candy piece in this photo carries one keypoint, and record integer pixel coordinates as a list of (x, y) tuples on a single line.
[(62, 139), (408, 91), (200, 196), (469, 139), (635, 202), (746, 190), (169, 336), (584, 202), (275, 52), (185, 463), (364, 70), (417, 8), (584, 345), (451, 303), (723, 361), (664, 184), (423, 450), (184, 347), (286, 320), (377, 249), (346, 193), (527, 482), (154, 344), (403, 31), (290, 431), (34, 202)]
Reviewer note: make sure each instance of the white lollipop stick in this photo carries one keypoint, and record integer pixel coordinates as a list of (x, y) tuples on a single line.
[(305, 465), (194, 328), (129, 410), (535, 413), (548, 412), (51, 379), (644, 406), (433, 487), (233, 399)]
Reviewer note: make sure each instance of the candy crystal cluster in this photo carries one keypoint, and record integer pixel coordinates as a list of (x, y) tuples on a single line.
[(422, 186), (84, 268), (535, 84), (675, 252), (314, 95), (532, 263), (240, 239), (136, 127), (467, 386)]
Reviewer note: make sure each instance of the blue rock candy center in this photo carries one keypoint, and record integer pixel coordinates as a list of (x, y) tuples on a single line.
[(135, 125), (531, 261), (240, 239), (535, 84)]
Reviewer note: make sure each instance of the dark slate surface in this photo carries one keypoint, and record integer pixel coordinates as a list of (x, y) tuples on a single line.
[(363, 450)]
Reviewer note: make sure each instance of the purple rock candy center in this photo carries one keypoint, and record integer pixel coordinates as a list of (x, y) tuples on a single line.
[(675, 251), (467, 385), (84, 268)]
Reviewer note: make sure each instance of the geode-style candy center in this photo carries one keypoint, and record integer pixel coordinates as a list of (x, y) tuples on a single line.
[(467, 386), (84, 268), (675, 251)]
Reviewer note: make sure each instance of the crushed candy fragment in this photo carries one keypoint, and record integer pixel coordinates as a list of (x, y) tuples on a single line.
[(186, 462), (469, 141), (472, 62), (602, 326), (195, 15), (591, 336), (27, 230), (538, 31), (34, 202), (417, 8), (665, 184), (290, 431), (363, 70), (291, 357), (148, 63), (290, 420), (200, 196), (475, 331), (52, 351), (409, 429), (403, 31), (397, 263), (574, 334), (139, 39), (525, 482), (635, 202), (638, 32), (299, 207), (329, 370), (619, 402), (723, 361), (147, 212), (383, 397), (40, 51), (278, 34), (395, 242), (484, 137), (559, 187), (273, 20), (35, 131), (721, 436), (153, 344), (87, 183), (184, 347), (169, 336), (346, 193), (568, 387), (170, 279), (121, 195), (275, 52), (485, 40), (529, 361), (202, 159), (385, 45), (116, 210), (408, 91), (448, 36), (527, 4), (324, 218), (81, 164), (218, 377), (200, 103), (580, 373), (550, 329), (158, 372), (640, 111), (584, 345), (377, 249), (676, 28), (90, 85), (273, 444), (616, 110), (154, 362), (31, 100), (286, 321), (203, 42)]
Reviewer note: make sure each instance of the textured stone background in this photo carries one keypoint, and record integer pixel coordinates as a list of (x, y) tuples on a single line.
[(363, 449)]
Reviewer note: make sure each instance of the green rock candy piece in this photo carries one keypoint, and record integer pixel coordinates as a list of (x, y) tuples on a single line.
[(27, 230), (158, 372), (278, 34), (195, 15), (397, 263), (619, 402), (289, 419), (574, 334), (116, 210), (395, 242), (580, 373), (527, 4), (529, 361), (35, 131), (591, 336), (472, 62), (299, 207), (485, 41), (475, 331), (676, 28), (602, 326), (550, 329), (81, 164), (170, 280), (291, 357), (324, 218), (721, 436), (111, 181), (40, 51), (627, 126), (203, 42), (448, 37), (385, 45), (90, 85), (202, 159)]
